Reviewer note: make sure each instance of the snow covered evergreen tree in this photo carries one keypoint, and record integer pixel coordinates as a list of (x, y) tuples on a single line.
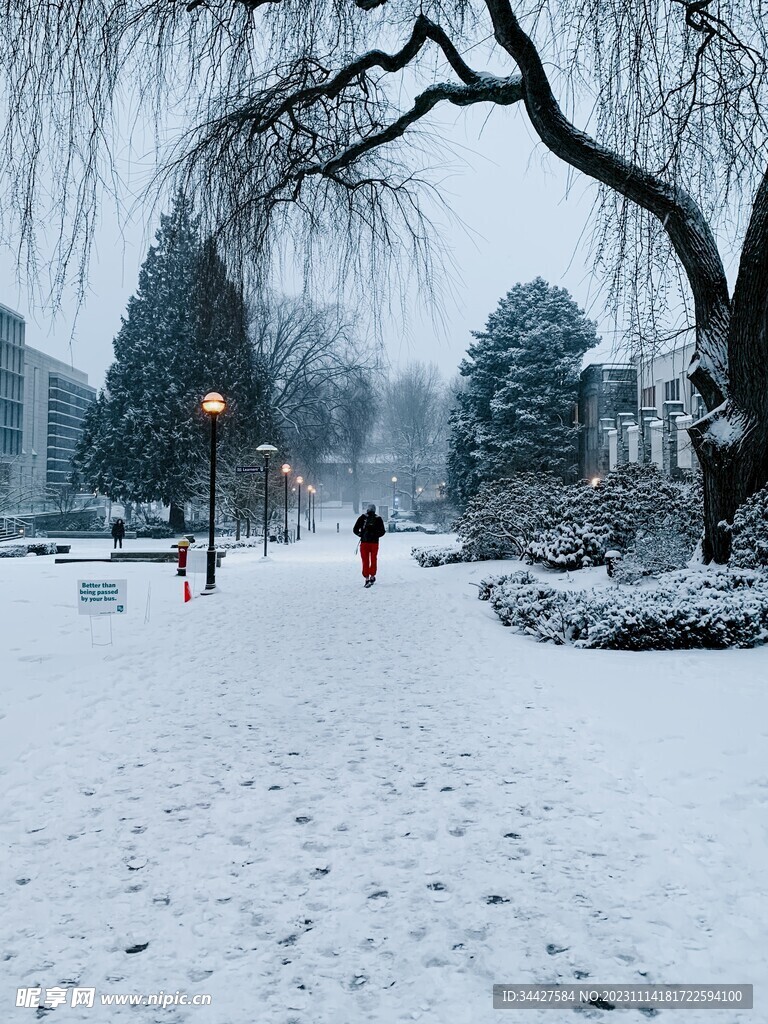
[(184, 334), (515, 412)]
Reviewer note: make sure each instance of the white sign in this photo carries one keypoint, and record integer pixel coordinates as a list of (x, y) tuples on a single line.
[(197, 560), (102, 597)]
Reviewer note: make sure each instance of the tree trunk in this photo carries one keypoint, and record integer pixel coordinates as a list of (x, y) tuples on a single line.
[(732, 472), (237, 528), (176, 518)]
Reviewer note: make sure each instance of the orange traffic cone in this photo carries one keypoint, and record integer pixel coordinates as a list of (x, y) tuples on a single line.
[(187, 591)]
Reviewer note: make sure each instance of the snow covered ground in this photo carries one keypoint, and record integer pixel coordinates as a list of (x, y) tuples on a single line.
[(321, 804)]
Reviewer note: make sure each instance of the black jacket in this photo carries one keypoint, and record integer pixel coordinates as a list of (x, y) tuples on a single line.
[(369, 529), (118, 530)]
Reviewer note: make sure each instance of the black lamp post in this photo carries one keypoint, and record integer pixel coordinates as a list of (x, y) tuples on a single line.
[(314, 507), (311, 509), (286, 469), (299, 482), (213, 404), (266, 450)]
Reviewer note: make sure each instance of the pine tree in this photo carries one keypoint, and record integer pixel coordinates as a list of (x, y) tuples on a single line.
[(515, 412), (184, 334)]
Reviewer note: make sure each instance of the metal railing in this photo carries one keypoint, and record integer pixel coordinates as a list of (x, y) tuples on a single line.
[(13, 527)]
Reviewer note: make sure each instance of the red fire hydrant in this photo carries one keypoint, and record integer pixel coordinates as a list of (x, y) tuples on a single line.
[(183, 547)]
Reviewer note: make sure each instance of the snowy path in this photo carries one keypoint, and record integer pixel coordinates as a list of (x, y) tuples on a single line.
[(322, 804)]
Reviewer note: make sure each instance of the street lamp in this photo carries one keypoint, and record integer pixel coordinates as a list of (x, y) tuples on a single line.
[(394, 492), (286, 469), (266, 450), (311, 492), (299, 482), (213, 404)]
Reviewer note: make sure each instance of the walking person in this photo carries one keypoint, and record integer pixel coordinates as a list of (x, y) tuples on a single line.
[(118, 532), (369, 528)]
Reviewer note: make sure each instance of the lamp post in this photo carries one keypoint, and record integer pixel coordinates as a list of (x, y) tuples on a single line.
[(394, 492), (286, 469), (299, 482), (213, 404), (314, 507), (266, 450), (310, 493)]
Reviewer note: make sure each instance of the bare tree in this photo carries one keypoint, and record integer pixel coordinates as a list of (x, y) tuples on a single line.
[(304, 354), (414, 422), (357, 408), (292, 137)]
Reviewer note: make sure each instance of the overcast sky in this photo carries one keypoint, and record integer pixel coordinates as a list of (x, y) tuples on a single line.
[(522, 221)]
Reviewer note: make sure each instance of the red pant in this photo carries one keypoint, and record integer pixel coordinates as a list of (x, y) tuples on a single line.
[(368, 553)]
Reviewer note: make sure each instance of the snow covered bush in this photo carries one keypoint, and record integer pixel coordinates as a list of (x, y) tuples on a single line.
[(42, 547), (570, 546), (438, 512), (12, 551), (633, 499), (689, 609), (636, 497), (658, 549), (503, 516), (430, 557), (750, 532), (566, 527), (529, 605), (155, 528)]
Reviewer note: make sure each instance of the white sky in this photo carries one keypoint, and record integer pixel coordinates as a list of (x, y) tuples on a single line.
[(521, 221)]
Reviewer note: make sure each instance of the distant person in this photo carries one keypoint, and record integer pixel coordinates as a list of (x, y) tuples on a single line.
[(118, 532), (369, 528)]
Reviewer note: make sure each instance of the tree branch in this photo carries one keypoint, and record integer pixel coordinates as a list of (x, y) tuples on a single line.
[(678, 213), (748, 342)]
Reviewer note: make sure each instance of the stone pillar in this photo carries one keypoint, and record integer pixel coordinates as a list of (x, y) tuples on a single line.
[(613, 449), (656, 430), (684, 447), (633, 443)]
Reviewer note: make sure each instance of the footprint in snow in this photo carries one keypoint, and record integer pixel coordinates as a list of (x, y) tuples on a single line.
[(436, 886), (138, 948), (553, 950), (303, 819), (379, 895), (495, 899), (320, 872)]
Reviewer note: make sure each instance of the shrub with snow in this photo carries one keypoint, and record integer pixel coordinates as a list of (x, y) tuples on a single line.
[(658, 549), (503, 516), (570, 546), (750, 532), (689, 609), (428, 558), (12, 550)]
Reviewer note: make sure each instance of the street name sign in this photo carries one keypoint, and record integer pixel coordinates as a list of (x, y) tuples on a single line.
[(249, 469)]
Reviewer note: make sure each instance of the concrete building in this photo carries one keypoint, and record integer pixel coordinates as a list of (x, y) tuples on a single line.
[(56, 398), (12, 328), (606, 391), (43, 402), (638, 412)]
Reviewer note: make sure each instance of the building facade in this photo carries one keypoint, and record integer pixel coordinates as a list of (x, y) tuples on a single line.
[(12, 328), (638, 412), (606, 391), (43, 402)]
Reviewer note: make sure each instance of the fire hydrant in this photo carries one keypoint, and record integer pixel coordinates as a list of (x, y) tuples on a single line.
[(183, 547)]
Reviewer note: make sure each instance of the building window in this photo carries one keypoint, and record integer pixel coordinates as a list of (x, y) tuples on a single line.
[(672, 390), (648, 400)]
